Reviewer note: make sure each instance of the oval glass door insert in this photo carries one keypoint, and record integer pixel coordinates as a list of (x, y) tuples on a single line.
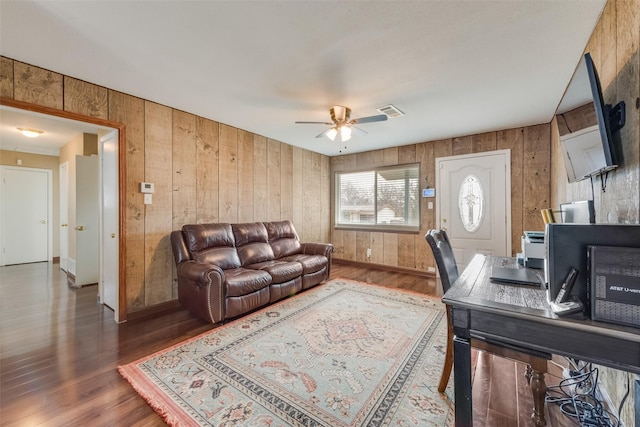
[(471, 203)]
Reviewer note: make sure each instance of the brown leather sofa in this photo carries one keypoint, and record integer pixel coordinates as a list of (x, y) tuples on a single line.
[(226, 270)]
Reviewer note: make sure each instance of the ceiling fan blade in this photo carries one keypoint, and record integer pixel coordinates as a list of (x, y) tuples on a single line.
[(369, 119), (314, 123), (320, 135), (358, 131)]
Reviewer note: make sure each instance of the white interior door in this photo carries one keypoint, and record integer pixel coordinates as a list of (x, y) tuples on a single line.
[(25, 215), (87, 220), (110, 221), (64, 216), (474, 203)]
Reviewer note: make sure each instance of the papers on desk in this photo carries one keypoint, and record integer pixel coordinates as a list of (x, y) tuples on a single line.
[(514, 276)]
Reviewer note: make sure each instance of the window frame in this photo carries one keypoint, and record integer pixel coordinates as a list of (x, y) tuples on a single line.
[(400, 228)]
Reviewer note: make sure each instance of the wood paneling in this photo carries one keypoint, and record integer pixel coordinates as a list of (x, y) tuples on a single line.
[(462, 145), (184, 162), (537, 169), (286, 181), (37, 86), (245, 176), (298, 185), (484, 142), (131, 111), (274, 180), (6, 77), (207, 160), (158, 215), (260, 184), (85, 98), (228, 170), (512, 140)]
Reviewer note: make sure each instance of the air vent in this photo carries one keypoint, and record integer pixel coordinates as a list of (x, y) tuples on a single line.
[(390, 111)]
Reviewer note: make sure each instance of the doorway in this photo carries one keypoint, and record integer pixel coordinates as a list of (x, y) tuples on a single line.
[(113, 194), (474, 203)]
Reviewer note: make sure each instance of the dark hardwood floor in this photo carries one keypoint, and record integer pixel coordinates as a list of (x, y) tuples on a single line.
[(59, 350)]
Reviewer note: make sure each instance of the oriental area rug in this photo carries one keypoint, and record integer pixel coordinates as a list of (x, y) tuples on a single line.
[(343, 354)]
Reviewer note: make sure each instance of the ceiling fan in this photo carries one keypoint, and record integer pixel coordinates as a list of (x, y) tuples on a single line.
[(342, 123)]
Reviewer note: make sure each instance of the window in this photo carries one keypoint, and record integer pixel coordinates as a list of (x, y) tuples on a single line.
[(471, 203), (383, 198)]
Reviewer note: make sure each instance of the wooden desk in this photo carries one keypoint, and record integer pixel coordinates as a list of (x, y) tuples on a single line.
[(519, 319)]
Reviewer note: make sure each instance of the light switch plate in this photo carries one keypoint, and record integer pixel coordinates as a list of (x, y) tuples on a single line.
[(148, 198)]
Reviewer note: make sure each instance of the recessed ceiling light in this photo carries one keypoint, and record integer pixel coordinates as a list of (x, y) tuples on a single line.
[(31, 133)]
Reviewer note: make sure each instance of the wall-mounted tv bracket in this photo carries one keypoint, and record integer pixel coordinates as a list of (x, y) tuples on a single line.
[(617, 116)]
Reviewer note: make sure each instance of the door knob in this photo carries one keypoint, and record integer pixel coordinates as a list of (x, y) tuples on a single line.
[(64, 225), (113, 235), (43, 221), (80, 227)]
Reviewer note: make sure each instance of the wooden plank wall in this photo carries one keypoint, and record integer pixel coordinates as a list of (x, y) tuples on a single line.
[(203, 171), (530, 165), (614, 46)]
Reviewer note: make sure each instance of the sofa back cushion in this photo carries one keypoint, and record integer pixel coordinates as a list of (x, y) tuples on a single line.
[(283, 238), (212, 243), (252, 243)]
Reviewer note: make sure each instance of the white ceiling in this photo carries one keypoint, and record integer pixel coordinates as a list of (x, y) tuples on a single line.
[(453, 67)]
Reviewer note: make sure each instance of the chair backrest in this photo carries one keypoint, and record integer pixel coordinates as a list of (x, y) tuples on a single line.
[(445, 260)]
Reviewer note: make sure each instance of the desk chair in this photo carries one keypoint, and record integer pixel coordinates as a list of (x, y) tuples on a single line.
[(446, 262), (536, 361)]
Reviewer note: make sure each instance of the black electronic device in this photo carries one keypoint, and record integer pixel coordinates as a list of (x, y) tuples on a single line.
[(615, 284), (565, 290), (566, 247), (517, 276), (586, 124)]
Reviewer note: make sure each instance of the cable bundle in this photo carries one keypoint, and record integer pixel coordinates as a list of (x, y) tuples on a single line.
[(577, 398)]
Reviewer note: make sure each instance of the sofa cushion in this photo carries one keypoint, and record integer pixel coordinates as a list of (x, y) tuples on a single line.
[(252, 243), (283, 238), (242, 281), (212, 244), (279, 271), (310, 263)]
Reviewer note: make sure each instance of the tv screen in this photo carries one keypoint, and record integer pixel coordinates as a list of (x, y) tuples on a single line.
[(583, 124)]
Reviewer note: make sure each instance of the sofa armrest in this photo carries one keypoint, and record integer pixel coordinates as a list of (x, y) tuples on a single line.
[(201, 289), (325, 249)]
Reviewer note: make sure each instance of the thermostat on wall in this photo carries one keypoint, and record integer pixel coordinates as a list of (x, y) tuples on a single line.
[(428, 192), (146, 187)]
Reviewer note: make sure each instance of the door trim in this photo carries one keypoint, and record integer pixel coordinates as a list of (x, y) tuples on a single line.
[(122, 235), (507, 154)]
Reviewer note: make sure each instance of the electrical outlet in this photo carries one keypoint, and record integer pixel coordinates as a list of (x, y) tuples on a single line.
[(368, 252)]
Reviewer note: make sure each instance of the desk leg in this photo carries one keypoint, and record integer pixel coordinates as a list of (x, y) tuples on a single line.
[(462, 381), (535, 376)]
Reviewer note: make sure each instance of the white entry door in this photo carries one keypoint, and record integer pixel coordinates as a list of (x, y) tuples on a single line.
[(87, 220), (25, 215), (474, 203)]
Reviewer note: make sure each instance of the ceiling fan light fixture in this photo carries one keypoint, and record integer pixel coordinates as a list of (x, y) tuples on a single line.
[(331, 134), (30, 133), (345, 133)]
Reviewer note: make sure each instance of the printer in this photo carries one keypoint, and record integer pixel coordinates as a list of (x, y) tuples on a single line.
[(533, 249)]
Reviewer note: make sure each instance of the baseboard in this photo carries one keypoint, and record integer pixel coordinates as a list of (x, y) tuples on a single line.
[(155, 310), (392, 268)]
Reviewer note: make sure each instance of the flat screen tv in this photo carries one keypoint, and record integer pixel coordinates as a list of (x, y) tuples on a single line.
[(585, 125)]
